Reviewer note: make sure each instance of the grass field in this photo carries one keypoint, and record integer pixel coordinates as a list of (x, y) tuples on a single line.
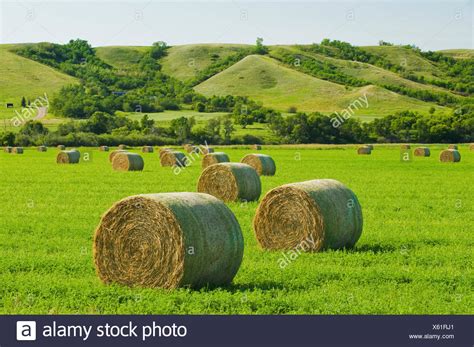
[(414, 255)]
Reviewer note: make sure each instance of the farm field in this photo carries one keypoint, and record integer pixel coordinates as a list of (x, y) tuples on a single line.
[(414, 255)]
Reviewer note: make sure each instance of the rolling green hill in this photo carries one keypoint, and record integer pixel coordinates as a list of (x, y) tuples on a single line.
[(459, 53), (266, 80), (121, 57)]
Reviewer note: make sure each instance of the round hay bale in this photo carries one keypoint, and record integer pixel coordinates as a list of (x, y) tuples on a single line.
[(147, 149), (230, 182), (370, 146), (122, 146), (405, 146), (68, 157), (173, 158), (364, 150), (61, 147), (168, 240), (206, 150), (114, 153), (190, 148), (163, 150), (257, 147), (127, 161), (214, 158), (450, 155), (422, 152), (42, 148), (309, 216), (453, 147), (471, 147), (7, 149), (17, 150), (104, 148), (262, 163)]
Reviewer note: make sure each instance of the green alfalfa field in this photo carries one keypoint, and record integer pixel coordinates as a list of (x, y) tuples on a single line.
[(414, 256)]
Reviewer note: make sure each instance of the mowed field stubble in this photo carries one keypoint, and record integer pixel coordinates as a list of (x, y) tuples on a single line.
[(414, 256)]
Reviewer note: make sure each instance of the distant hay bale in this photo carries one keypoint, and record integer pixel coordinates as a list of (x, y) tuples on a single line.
[(364, 150), (257, 147), (453, 147), (147, 149), (126, 161), (214, 158), (422, 152), (230, 182), (68, 157), (114, 153), (42, 148), (17, 150), (207, 150), (61, 147), (405, 146), (308, 216), (190, 148), (450, 155), (173, 158), (7, 149), (168, 240), (262, 163), (471, 147), (122, 146), (370, 146), (104, 148), (163, 150)]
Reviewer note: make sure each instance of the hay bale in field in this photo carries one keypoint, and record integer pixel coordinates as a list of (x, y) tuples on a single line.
[(405, 146), (193, 149), (147, 149), (308, 216), (114, 153), (68, 157), (370, 146), (257, 147), (42, 148), (364, 150), (262, 163), (214, 158), (61, 147), (17, 150), (7, 149), (206, 150), (173, 158), (230, 182), (453, 147), (450, 155), (126, 161), (422, 152), (471, 147), (122, 147), (168, 240), (163, 150), (104, 148)]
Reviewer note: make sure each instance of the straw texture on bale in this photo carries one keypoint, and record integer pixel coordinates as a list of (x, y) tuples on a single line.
[(122, 147), (42, 148), (230, 182), (17, 150), (363, 150), (147, 149), (308, 216), (257, 147), (173, 158), (68, 157), (207, 150), (61, 147), (168, 240), (104, 148), (7, 149), (453, 147), (450, 155), (405, 146), (422, 152), (262, 163), (214, 158), (114, 153), (127, 161)]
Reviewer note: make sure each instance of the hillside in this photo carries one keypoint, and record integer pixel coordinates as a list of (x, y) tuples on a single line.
[(264, 79), (121, 57), (459, 53)]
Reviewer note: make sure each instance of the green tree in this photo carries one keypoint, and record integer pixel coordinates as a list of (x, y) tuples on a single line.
[(259, 47), (182, 128), (23, 102), (147, 124), (228, 129)]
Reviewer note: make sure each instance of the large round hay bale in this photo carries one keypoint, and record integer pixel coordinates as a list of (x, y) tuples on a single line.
[(230, 182), (168, 240), (405, 146), (104, 148), (262, 163), (68, 157), (309, 216), (453, 147), (42, 148), (173, 158), (214, 158), (7, 149), (364, 150), (127, 161), (114, 153), (422, 152), (257, 147), (206, 150), (61, 147), (147, 149), (122, 146), (450, 155), (17, 150)]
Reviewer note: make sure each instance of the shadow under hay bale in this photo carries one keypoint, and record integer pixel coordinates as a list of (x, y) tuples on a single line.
[(363, 150), (308, 216), (214, 158), (168, 240), (68, 157), (450, 156), (42, 149), (422, 152), (127, 161), (173, 158), (114, 153), (230, 182), (262, 163), (104, 148), (147, 149)]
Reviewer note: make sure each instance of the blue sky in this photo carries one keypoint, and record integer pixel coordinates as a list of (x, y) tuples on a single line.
[(427, 24)]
